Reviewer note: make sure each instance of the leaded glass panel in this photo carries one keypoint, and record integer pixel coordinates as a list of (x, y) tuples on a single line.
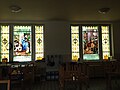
[(22, 43), (90, 42), (75, 42), (39, 42), (4, 52), (105, 42)]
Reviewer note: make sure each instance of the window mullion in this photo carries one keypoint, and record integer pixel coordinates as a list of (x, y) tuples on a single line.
[(100, 42)]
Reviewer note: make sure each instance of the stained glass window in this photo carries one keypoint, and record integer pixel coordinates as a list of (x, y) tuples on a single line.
[(39, 42), (22, 43), (90, 42), (75, 42), (4, 49), (105, 42)]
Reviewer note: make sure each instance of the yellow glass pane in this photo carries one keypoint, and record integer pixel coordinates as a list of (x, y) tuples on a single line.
[(4, 42), (5, 55), (39, 42), (75, 39), (74, 29), (39, 56), (4, 49), (4, 29), (105, 39), (105, 42), (106, 55), (38, 29), (75, 56), (105, 29), (75, 42), (106, 48)]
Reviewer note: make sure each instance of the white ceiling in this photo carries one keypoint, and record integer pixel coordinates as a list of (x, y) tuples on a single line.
[(68, 10)]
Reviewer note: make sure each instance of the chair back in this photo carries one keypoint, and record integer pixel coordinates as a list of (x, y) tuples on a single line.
[(6, 82)]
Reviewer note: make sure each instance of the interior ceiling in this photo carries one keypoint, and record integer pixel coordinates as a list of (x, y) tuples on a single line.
[(68, 10)]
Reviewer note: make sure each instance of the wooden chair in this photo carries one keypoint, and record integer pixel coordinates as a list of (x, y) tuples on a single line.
[(83, 74), (72, 72), (112, 72), (28, 72), (40, 71), (65, 74), (6, 82), (61, 77), (16, 76)]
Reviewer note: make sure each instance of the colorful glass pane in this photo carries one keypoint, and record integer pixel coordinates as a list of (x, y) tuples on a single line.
[(22, 43), (105, 42), (4, 52), (39, 42), (90, 42), (75, 42)]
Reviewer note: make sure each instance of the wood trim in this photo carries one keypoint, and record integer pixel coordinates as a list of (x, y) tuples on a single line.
[(7, 82)]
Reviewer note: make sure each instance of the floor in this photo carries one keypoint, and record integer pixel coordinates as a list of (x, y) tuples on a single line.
[(95, 84)]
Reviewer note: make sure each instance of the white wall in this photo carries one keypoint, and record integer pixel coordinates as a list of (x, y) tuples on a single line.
[(57, 38), (116, 39)]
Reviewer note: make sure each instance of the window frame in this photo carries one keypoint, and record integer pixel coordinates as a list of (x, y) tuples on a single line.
[(99, 37), (11, 33)]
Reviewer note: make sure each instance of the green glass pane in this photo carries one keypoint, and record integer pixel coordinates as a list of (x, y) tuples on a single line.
[(91, 57)]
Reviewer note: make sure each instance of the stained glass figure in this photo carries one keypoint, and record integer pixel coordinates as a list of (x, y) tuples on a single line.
[(39, 42), (4, 51), (105, 42), (22, 43), (75, 42), (90, 42)]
